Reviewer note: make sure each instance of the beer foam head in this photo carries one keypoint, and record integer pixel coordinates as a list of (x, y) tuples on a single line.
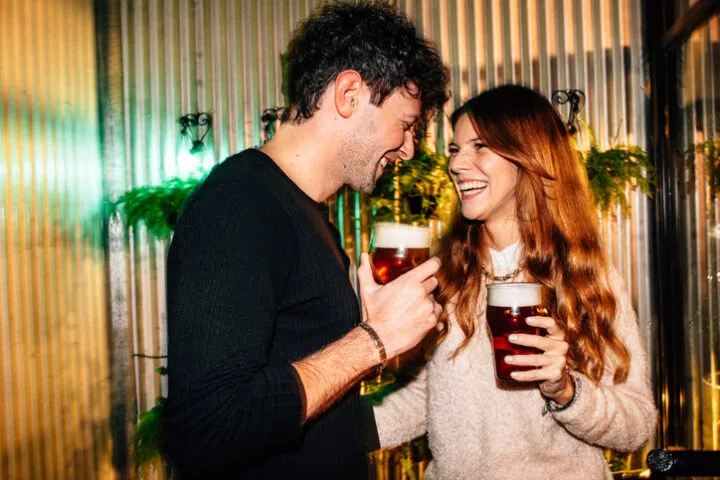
[(400, 235), (515, 294)]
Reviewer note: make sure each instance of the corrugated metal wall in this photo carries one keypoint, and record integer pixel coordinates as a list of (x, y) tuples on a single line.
[(173, 57), (699, 104), (54, 400), (183, 56)]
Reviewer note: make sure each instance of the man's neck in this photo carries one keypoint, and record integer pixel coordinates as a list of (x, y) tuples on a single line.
[(308, 157)]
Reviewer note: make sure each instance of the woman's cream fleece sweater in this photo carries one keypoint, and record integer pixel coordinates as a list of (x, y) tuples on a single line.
[(481, 429)]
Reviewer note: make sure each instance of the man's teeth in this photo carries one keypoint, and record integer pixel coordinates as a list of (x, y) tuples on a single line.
[(464, 187), (383, 163)]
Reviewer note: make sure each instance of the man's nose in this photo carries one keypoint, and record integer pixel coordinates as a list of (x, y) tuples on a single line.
[(407, 150)]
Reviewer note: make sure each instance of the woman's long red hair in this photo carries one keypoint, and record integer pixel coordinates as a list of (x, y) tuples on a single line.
[(558, 227)]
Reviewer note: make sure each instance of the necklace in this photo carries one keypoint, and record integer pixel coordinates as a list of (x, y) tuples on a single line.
[(502, 278)]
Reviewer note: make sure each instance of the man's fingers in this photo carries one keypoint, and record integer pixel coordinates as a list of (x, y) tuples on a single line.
[(365, 275), (424, 270), (430, 284)]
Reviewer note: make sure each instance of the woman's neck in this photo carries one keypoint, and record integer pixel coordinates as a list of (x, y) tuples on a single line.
[(500, 235)]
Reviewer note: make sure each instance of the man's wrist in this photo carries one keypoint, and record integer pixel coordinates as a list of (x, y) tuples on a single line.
[(379, 346)]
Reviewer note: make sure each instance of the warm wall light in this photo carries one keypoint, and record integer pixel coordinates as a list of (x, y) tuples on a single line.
[(191, 125), (575, 99)]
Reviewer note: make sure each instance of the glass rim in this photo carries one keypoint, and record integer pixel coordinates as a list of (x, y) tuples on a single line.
[(513, 284), (400, 225)]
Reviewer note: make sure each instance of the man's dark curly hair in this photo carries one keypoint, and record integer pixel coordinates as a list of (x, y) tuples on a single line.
[(370, 37)]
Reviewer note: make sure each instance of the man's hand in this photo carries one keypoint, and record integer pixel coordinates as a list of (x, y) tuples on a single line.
[(403, 311)]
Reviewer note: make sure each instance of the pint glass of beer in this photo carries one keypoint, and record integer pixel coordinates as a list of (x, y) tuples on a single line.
[(398, 248), (508, 305), (395, 248)]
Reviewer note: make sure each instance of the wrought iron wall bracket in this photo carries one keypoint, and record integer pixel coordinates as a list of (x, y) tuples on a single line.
[(575, 99), (190, 125)]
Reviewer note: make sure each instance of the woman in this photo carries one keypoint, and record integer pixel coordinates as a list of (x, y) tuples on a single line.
[(526, 216)]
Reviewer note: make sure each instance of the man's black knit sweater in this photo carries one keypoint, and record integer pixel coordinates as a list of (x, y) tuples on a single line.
[(257, 279)]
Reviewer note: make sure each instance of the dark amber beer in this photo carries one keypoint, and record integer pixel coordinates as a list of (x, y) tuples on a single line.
[(398, 248), (509, 304)]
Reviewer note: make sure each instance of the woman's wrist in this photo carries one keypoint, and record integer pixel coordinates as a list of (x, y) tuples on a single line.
[(566, 393), (561, 401)]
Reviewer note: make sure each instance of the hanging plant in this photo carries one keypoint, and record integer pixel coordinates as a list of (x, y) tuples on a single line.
[(710, 152), (149, 436), (156, 206), (415, 191), (615, 171)]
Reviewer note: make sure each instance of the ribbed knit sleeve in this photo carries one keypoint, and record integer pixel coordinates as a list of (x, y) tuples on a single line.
[(617, 416), (226, 267)]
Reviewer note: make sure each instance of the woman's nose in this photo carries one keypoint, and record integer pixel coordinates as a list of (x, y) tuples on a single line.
[(457, 164)]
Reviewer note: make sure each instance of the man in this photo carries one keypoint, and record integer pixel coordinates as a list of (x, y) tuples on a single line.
[(265, 347)]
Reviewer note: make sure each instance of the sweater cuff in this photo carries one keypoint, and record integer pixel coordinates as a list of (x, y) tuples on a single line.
[(288, 402), (580, 407), (303, 396)]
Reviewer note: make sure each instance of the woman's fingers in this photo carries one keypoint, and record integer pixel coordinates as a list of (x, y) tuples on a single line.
[(549, 365), (548, 345), (530, 360), (545, 374), (549, 324)]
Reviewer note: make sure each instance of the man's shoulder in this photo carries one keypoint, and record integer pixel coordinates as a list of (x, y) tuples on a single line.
[(237, 186), (246, 167)]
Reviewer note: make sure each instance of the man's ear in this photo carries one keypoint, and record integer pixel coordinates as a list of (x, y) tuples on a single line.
[(348, 85)]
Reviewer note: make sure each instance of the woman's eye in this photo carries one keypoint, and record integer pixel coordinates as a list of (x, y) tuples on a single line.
[(453, 150)]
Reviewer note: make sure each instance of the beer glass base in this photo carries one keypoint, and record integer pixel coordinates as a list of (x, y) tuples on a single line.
[(377, 383)]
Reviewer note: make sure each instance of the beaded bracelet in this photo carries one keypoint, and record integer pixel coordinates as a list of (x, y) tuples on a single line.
[(553, 406), (378, 343)]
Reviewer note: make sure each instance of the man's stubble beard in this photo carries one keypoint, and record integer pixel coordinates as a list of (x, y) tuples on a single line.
[(359, 166)]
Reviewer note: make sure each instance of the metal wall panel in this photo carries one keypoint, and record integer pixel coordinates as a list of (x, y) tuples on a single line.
[(699, 108), (221, 56), (54, 400), (183, 56)]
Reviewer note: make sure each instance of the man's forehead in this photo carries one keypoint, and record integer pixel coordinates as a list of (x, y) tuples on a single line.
[(408, 102)]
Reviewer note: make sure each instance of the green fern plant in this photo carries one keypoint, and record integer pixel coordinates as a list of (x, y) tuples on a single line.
[(426, 191), (149, 437), (156, 206), (710, 152), (611, 172), (615, 171)]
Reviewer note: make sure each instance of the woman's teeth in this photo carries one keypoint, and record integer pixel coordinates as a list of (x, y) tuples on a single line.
[(468, 186)]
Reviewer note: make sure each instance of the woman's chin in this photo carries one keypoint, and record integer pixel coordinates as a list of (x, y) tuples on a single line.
[(473, 215)]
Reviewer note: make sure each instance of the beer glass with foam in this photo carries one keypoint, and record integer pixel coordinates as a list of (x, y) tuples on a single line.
[(395, 248), (508, 305), (398, 248)]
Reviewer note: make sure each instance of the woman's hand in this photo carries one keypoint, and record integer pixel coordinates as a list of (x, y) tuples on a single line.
[(554, 381)]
